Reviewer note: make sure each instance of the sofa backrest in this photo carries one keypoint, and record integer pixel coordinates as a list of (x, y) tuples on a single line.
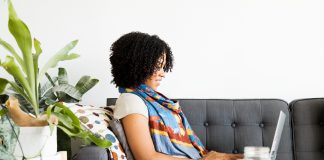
[(308, 128), (229, 125)]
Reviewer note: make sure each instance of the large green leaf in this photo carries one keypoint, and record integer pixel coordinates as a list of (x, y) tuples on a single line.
[(3, 84), (85, 84), (67, 122), (37, 47), (74, 128), (100, 141), (38, 51), (11, 67), (16, 88), (36, 88), (62, 55), (69, 113), (67, 131), (69, 90), (20, 31), (67, 119), (14, 53), (49, 114), (23, 38)]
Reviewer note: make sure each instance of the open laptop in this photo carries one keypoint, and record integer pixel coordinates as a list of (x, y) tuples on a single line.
[(277, 136)]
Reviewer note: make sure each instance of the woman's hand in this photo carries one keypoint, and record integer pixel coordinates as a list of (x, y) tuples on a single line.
[(212, 155)]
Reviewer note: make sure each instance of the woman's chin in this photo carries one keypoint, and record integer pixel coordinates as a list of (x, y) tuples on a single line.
[(156, 87)]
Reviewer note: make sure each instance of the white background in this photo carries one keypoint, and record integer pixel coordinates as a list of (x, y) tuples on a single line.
[(222, 48)]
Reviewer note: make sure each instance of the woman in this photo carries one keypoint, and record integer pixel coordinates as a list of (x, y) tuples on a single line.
[(154, 125)]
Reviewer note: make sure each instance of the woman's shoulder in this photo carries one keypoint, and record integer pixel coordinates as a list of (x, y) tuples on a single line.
[(129, 103), (129, 97)]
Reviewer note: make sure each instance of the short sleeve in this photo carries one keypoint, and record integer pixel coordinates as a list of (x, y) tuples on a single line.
[(129, 103)]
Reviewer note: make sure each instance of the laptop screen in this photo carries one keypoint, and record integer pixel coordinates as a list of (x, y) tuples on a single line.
[(277, 136)]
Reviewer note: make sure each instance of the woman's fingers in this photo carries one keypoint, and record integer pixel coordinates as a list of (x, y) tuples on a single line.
[(212, 155)]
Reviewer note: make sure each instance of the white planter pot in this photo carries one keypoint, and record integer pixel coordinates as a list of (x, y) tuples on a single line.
[(36, 141)]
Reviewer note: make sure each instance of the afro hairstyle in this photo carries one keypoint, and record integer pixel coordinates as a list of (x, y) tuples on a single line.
[(135, 57)]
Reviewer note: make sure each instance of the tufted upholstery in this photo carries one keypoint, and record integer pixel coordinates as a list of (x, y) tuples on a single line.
[(229, 125), (308, 128)]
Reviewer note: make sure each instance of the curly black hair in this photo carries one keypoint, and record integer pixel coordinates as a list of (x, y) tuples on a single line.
[(134, 58)]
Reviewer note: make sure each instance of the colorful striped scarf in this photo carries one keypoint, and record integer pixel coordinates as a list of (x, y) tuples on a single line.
[(170, 131)]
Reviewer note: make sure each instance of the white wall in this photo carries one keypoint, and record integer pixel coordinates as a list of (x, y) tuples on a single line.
[(222, 49)]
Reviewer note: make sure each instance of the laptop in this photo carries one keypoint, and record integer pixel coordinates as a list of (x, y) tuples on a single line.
[(277, 136)]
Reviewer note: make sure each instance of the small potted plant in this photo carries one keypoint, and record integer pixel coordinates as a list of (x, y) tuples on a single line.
[(27, 76)]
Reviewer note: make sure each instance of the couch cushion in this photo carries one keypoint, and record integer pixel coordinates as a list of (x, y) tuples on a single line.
[(229, 125), (118, 130), (308, 128)]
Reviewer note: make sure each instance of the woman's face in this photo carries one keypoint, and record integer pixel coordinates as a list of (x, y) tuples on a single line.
[(155, 79)]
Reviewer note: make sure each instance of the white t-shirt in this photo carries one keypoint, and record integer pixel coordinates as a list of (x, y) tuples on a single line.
[(129, 103)]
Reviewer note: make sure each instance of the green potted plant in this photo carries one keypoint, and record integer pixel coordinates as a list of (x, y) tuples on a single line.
[(58, 89), (27, 76)]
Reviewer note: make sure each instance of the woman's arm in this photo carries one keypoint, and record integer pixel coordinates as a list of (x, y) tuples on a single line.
[(140, 142), (139, 139)]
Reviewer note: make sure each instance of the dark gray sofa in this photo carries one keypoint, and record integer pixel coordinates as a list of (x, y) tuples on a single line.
[(227, 125)]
